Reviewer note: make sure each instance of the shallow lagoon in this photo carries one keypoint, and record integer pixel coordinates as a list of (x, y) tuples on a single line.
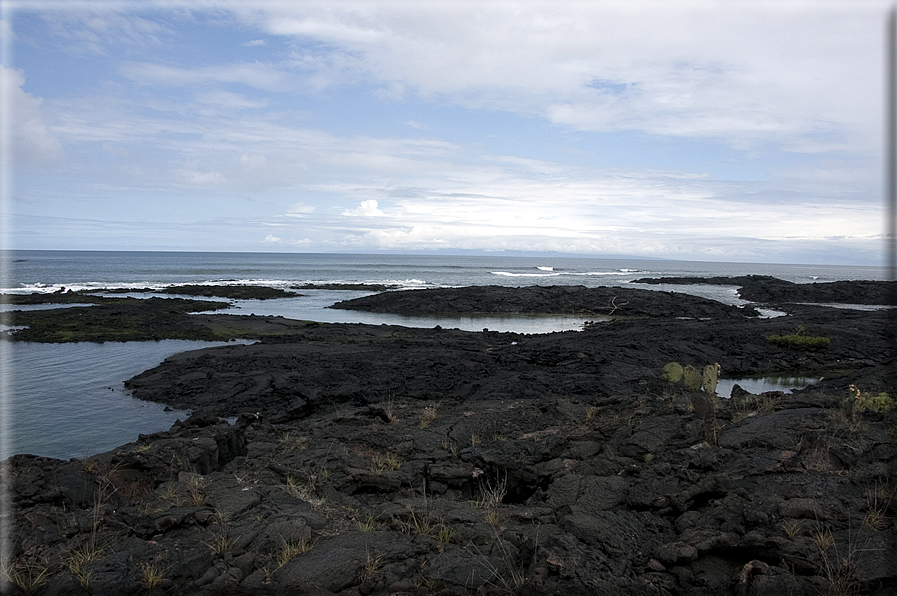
[(68, 400), (313, 307)]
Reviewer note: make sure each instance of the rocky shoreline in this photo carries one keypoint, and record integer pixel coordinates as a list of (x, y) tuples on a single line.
[(388, 460), (763, 288)]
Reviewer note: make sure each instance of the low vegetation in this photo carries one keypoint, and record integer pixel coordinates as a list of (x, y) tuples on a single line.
[(799, 340)]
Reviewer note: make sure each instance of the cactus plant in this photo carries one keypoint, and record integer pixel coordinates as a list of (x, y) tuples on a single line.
[(692, 378), (672, 372), (703, 392), (711, 378)]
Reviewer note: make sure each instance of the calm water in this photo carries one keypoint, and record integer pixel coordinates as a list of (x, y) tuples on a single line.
[(68, 400), (758, 385)]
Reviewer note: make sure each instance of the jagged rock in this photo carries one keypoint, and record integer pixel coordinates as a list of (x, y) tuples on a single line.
[(384, 460)]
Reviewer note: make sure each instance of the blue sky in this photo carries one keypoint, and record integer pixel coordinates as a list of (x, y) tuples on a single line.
[(725, 131)]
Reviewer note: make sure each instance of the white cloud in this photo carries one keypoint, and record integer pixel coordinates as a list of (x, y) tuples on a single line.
[(201, 178), (254, 43), (271, 239), (365, 209), (251, 160), (6, 32), (300, 209), (257, 75), (228, 99), (765, 70), (85, 28), (33, 141)]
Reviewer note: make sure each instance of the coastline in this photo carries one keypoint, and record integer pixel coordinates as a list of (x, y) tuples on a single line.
[(384, 459)]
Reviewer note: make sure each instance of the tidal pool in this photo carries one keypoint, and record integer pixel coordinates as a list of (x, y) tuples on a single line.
[(759, 385)]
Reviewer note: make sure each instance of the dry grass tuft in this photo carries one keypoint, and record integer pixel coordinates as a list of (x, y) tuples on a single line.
[(28, 577), (151, 575), (792, 527), (428, 416), (372, 565), (290, 550)]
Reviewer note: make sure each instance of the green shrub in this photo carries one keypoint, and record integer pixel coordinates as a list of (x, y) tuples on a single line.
[(798, 341), (881, 402), (859, 402)]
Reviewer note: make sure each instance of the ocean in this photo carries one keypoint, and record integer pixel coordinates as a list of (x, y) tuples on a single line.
[(68, 400)]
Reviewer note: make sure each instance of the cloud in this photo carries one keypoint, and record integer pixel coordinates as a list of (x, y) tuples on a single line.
[(300, 209), (271, 239), (254, 43), (33, 142), (227, 99), (767, 71), (256, 75), (6, 32), (201, 178), (365, 209), (85, 28)]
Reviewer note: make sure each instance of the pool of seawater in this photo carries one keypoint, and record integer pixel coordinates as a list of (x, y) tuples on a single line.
[(68, 400), (757, 385), (313, 306), (46, 306)]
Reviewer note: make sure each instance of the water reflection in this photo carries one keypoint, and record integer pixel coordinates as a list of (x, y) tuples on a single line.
[(757, 385), (68, 400)]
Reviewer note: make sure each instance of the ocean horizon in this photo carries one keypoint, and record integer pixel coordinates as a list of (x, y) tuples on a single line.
[(49, 270)]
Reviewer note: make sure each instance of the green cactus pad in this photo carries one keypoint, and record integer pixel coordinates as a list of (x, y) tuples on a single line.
[(672, 372), (692, 378), (711, 378)]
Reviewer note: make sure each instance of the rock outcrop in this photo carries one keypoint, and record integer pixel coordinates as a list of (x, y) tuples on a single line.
[(386, 460)]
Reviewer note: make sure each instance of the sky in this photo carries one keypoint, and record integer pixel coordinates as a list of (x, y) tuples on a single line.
[(740, 131)]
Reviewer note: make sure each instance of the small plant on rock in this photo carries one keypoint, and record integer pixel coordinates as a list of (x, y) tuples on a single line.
[(381, 462), (858, 402), (293, 440), (29, 577), (838, 567), (196, 490), (791, 527), (290, 550), (751, 405), (798, 340), (79, 559), (368, 524), (445, 534), (874, 402), (822, 538), (428, 416), (387, 409), (450, 446), (878, 499), (221, 542), (702, 391), (492, 495), (302, 490), (151, 575), (372, 565)]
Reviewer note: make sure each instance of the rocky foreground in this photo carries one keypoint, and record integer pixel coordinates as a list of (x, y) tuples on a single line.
[(387, 460)]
